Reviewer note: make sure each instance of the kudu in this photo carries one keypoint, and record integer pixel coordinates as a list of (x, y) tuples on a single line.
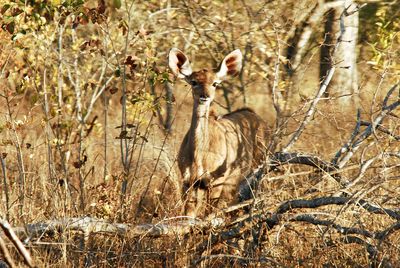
[(216, 152)]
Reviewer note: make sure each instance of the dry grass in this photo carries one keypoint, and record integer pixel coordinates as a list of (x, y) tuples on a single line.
[(296, 244)]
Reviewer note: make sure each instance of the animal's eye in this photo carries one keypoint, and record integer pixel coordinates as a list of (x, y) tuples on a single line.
[(193, 83), (215, 84)]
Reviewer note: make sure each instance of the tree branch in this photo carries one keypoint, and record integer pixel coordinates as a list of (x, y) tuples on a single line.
[(311, 110), (356, 143), (6, 255), (17, 243)]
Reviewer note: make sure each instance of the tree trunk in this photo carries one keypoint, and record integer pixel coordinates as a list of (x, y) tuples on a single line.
[(344, 83)]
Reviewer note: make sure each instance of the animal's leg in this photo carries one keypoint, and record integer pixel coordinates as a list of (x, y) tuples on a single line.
[(224, 189), (195, 202)]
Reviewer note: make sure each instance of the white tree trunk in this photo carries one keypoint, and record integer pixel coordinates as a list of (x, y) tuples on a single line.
[(345, 82)]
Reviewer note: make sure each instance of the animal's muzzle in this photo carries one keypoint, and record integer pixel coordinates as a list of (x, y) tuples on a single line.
[(203, 99)]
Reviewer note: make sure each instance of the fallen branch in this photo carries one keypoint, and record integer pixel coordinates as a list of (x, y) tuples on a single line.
[(222, 232), (89, 226), (185, 225), (273, 219)]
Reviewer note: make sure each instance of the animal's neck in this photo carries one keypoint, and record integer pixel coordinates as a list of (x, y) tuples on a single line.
[(199, 132)]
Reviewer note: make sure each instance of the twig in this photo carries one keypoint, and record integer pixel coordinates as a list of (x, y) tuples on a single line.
[(329, 223), (363, 168), (382, 129), (124, 143), (372, 251), (276, 96), (5, 185), (6, 254), (334, 200), (17, 243), (20, 158), (252, 181), (322, 89), (98, 90), (346, 147), (310, 110), (355, 145)]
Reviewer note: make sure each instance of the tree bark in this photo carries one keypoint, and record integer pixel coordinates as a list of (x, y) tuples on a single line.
[(345, 82)]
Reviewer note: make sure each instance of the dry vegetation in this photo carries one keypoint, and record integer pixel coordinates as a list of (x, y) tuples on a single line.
[(91, 121)]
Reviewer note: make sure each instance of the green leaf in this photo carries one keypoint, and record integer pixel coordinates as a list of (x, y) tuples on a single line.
[(117, 4)]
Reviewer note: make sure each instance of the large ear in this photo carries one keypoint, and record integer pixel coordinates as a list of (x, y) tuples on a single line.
[(179, 63), (231, 65)]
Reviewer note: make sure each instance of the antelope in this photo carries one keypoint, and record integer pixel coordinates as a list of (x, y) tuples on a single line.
[(216, 152)]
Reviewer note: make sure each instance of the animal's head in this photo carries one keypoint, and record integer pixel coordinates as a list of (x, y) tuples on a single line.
[(205, 81)]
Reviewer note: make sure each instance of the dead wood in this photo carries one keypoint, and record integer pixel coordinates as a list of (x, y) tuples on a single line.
[(181, 226), (218, 229)]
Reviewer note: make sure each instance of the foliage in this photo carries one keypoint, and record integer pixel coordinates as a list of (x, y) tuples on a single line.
[(383, 35)]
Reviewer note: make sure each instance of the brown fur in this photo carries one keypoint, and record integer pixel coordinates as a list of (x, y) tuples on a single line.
[(233, 145), (217, 152)]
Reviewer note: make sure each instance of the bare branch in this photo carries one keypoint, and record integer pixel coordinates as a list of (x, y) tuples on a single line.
[(385, 233), (382, 129), (273, 219), (281, 158), (355, 145), (89, 226), (5, 186), (372, 251), (311, 110), (333, 200), (329, 223), (17, 243), (346, 147), (6, 254)]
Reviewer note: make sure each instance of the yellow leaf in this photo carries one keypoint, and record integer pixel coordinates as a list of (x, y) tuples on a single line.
[(56, 2)]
